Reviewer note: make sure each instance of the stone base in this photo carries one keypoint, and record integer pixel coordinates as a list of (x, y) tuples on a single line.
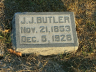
[(47, 51), (48, 41)]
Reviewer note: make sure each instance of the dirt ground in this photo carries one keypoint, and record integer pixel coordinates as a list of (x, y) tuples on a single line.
[(84, 60)]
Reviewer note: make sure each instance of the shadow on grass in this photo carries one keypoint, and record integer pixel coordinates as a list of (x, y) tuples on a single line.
[(94, 15), (79, 64), (13, 6)]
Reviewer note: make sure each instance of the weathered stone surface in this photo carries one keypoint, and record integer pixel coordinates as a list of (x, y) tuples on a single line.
[(44, 33)]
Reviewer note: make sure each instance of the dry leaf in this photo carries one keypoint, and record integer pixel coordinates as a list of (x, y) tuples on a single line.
[(95, 33), (14, 52), (6, 31)]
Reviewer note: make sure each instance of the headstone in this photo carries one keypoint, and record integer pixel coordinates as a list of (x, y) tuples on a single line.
[(44, 33)]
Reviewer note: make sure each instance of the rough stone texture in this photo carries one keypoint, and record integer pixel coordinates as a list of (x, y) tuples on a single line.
[(41, 48), (48, 50)]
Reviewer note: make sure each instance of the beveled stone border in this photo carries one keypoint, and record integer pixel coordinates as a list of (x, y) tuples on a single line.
[(18, 45)]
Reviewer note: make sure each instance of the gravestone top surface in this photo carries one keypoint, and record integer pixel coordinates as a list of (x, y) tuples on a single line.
[(44, 30)]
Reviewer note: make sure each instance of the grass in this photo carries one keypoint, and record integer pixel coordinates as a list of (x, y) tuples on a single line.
[(84, 60)]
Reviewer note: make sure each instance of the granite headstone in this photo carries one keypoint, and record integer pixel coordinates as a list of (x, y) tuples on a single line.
[(44, 33)]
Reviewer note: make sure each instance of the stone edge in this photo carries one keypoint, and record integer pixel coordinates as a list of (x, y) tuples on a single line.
[(44, 13), (48, 51)]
